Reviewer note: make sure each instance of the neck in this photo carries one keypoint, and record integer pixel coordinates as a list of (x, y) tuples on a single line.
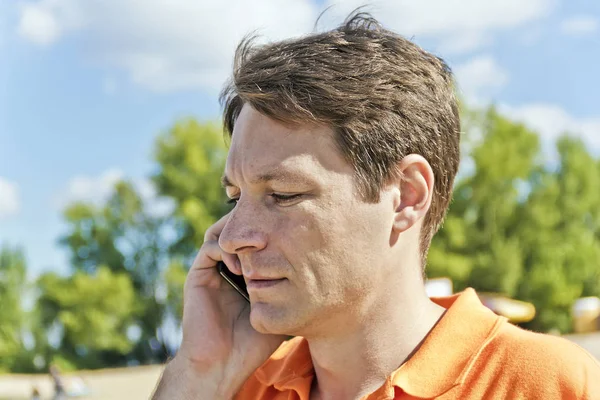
[(358, 362)]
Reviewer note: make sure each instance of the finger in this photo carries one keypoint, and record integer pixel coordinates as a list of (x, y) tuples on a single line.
[(232, 262), (208, 255), (215, 230), (211, 253)]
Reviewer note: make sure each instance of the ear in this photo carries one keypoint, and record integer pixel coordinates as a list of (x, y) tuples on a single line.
[(416, 191)]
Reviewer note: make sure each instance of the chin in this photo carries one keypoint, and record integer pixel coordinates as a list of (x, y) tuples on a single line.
[(269, 319)]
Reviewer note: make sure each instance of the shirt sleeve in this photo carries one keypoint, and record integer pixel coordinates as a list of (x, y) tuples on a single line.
[(589, 382)]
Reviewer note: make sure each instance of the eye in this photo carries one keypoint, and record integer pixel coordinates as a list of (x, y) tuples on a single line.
[(285, 198), (279, 198)]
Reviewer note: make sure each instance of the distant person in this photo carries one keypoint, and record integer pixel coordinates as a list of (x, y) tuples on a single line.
[(59, 387), (344, 149), (35, 394)]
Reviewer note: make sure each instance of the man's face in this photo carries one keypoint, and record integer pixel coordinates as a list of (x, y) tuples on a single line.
[(300, 223)]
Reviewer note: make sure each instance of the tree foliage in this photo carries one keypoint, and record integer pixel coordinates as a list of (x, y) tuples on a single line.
[(191, 158), (12, 315), (522, 226), (93, 311), (125, 236)]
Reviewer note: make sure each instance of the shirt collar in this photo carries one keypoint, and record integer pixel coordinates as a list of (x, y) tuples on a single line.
[(451, 348), (442, 362), (290, 367)]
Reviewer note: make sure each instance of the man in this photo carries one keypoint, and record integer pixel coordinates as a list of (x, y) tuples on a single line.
[(59, 387), (344, 148)]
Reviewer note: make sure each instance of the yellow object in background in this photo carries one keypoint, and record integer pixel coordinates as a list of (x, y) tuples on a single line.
[(586, 315), (516, 311)]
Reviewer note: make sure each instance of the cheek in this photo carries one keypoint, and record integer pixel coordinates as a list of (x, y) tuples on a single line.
[(355, 243), (307, 238), (300, 233), (328, 248)]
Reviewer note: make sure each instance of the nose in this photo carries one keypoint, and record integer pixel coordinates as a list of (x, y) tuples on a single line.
[(245, 230)]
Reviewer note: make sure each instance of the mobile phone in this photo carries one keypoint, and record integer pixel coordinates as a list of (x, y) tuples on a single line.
[(236, 281)]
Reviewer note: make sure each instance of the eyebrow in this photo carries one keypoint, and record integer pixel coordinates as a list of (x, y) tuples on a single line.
[(277, 175)]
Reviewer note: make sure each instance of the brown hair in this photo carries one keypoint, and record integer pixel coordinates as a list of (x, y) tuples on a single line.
[(383, 96)]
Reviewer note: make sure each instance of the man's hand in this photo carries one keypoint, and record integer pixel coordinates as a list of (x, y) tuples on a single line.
[(220, 349)]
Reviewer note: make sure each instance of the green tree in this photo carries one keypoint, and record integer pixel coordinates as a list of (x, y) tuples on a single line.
[(175, 276), (12, 316), (125, 236), (559, 231), (520, 226), (93, 312), (477, 246), (191, 158)]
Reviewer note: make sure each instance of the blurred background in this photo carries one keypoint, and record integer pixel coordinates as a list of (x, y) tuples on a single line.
[(111, 150)]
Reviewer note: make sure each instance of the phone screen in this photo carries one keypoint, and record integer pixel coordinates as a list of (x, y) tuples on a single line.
[(237, 281)]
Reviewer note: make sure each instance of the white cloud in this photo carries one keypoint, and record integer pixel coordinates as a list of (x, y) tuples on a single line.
[(427, 17), (97, 190), (38, 25), (92, 189), (461, 25), (188, 44), (157, 206), (9, 198), (464, 42), (480, 77), (166, 46), (579, 25), (44, 22), (550, 121)]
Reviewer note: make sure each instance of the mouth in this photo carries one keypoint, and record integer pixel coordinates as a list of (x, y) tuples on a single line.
[(263, 283)]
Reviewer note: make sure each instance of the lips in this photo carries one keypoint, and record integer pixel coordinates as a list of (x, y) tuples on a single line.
[(257, 277), (263, 283), (260, 280), (254, 275)]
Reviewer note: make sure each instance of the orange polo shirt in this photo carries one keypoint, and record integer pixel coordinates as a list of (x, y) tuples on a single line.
[(471, 353)]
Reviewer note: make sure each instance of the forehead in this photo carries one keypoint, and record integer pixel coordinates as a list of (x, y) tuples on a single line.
[(260, 144)]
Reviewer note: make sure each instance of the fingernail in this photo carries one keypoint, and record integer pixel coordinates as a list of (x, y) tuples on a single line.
[(238, 265)]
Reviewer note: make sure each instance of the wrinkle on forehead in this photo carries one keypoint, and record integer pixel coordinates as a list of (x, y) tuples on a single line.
[(263, 148), (296, 170)]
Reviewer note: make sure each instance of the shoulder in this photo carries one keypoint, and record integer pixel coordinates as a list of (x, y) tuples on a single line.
[(547, 351), (545, 363)]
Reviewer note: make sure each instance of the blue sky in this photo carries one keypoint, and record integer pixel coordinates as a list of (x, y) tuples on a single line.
[(85, 86)]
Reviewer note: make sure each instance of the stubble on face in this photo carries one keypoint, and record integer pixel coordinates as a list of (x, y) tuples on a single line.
[(326, 243)]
